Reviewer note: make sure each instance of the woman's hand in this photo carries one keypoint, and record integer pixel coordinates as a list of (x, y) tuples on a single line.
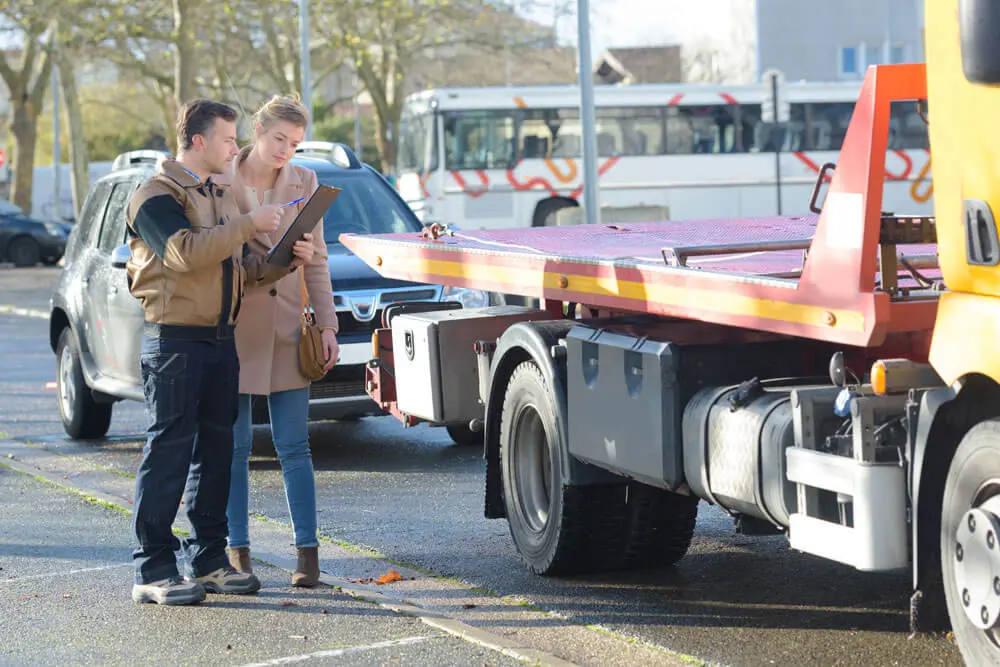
[(303, 251), (331, 349)]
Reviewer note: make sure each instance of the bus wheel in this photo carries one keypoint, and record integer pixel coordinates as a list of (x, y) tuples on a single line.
[(545, 212), (970, 544), (547, 519)]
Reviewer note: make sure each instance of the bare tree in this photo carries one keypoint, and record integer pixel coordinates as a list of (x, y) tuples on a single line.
[(726, 57), (27, 80)]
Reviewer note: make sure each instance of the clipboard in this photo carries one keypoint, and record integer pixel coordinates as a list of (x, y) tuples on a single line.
[(304, 223)]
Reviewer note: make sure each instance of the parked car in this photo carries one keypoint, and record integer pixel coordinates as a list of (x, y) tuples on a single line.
[(25, 241), (95, 327)]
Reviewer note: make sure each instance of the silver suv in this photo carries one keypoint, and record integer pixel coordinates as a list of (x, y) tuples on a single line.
[(95, 326)]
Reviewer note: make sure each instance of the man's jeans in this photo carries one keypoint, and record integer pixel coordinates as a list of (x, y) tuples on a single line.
[(290, 432), (190, 388)]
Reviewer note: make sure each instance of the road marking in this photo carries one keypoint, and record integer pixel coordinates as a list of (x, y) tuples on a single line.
[(338, 652), (24, 312), (63, 574)]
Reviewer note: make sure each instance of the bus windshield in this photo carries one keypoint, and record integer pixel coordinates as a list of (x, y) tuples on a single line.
[(417, 143)]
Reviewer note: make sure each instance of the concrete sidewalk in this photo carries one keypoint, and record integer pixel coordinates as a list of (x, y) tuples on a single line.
[(65, 556)]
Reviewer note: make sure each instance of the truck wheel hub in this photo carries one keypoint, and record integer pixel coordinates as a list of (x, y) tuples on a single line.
[(977, 564)]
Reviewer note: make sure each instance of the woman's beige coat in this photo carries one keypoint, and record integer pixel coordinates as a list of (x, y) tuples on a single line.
[(269, 325)]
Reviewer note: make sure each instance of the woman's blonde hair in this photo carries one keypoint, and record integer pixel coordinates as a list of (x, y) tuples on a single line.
[(287, 108)]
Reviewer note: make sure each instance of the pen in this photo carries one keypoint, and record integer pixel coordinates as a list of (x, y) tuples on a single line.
[(293, 202)]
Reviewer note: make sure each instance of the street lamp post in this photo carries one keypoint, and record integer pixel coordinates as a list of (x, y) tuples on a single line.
[(304, 59), (590, 186)]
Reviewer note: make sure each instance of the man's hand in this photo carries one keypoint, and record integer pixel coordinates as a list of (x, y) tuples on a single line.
[(303, 251), (331, 349), (266, 218)]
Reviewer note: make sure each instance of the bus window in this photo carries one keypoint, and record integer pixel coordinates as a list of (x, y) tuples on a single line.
[(417, 144), (634, 131), (748, 120), (701, 129), (907, 130), (826, 125), (566, 132), (536, 133), (477, 140)]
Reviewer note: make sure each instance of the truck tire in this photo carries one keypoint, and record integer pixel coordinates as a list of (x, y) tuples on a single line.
[(973, 482), (548, 520), (658, 526), (83, 418)]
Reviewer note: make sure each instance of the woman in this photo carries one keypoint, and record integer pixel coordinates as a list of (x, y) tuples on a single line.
[(267, 335)]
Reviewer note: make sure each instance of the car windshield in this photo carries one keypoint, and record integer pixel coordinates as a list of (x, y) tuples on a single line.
[(366, 205)]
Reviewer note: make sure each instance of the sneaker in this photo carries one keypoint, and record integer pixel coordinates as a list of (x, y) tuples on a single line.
[(228, 581), (169, 591)]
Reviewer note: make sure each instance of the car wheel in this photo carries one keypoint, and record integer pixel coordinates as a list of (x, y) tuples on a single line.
[(462, 435), (83, 418), (24, 251)]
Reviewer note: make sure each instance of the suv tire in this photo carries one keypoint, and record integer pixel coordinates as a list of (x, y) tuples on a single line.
[(83, 418)]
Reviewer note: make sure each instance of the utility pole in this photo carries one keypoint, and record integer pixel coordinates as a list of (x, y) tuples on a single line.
[(56, 152), (589, 123), (304, 58), (358, 144)]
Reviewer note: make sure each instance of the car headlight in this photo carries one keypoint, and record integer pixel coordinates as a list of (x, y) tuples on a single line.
[(55, 229), (469, 298)]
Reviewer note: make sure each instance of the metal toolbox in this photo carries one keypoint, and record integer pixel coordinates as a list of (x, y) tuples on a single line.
[(436, 367), (623, 402)]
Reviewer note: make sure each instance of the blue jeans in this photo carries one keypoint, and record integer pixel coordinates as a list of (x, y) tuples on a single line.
[(190, 389), (290, 432)]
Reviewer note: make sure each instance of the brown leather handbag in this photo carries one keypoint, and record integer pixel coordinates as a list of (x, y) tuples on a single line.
[(311, 358)]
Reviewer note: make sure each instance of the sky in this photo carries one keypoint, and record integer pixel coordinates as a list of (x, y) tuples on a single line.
[(618, 23)]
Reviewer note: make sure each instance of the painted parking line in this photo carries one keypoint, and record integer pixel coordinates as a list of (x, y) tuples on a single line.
[(339, 652), (24, 312), (50, 575)]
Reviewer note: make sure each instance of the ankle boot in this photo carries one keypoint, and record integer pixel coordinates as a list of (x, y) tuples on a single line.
[(307, 571), (239, 559)]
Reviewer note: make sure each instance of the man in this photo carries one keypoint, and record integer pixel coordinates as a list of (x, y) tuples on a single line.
[(189, 268)]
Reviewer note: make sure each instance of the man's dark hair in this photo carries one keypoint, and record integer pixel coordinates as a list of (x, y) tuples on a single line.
[(197, 117)]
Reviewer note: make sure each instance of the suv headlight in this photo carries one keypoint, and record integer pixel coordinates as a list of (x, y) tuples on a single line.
[(469, 298)]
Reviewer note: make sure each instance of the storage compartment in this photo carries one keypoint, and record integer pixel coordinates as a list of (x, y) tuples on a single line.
[(734, 452), (436, 367), (623, 404)]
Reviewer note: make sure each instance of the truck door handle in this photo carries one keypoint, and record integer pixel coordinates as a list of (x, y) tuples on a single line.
[(84, 281), (113, 289)]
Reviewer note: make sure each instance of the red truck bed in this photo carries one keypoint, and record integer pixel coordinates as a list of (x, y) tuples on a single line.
[(750, 273)]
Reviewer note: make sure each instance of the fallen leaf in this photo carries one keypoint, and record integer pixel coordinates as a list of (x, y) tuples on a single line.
[(289, 603), (67, 595), (229, 647), (391, 576), (323, 612), (468, 605), (297, 637)]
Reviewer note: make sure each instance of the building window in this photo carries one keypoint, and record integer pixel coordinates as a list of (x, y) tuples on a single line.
[(898, 54), (848, 60)]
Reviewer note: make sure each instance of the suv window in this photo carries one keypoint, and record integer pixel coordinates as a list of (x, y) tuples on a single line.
[(93, 211), (113, 227)]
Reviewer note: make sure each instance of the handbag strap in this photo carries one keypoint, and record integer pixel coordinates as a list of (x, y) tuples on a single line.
[(305, 295)]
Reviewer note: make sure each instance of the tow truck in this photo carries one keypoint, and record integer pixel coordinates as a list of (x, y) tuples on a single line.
[(831, 376)]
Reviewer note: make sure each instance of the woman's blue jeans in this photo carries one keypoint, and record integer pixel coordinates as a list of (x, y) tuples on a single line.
[(290, 432)]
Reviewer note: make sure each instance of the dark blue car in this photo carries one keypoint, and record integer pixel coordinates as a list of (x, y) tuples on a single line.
[(96, 324)]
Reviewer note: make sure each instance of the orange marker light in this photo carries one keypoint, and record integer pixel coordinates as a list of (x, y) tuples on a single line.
[(878, 378)]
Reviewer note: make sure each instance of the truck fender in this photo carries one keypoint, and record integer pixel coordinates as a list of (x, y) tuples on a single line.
[(945, 416), (538, 342)]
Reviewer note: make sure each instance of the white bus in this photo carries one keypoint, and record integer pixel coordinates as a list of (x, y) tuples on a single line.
[(485, 158)]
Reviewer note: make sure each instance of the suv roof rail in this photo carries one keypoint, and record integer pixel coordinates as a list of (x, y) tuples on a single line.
[(335, 152), (133, 158)]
